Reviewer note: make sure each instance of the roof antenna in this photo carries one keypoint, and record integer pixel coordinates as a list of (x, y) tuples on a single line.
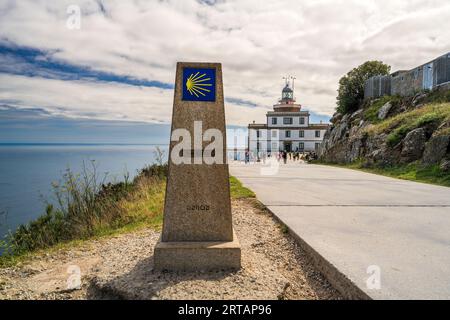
[(293, 79)]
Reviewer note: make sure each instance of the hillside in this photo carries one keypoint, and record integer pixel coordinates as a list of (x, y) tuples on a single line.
[(407, 137)]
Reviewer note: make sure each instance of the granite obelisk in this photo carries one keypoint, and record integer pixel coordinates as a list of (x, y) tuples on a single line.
[(197, 227)]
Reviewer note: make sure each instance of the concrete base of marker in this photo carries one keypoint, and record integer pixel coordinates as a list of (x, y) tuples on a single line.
[(192, 256)]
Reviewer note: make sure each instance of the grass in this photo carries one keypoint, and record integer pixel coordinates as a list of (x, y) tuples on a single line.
[(438, 96), (413, 118), (412, 171), (371, 112), (91, 210), (398, 126), (284, 229), (238, 191), (88, 208)]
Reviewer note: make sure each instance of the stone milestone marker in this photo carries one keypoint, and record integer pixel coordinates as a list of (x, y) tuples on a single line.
[(197, 228)]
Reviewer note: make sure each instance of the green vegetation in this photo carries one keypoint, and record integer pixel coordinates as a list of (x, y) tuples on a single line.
[(238, 191), (413, 171), (371, 112), (433, 115), (284, 229), (351, 86), (438, 96), (399, 125), (89, 208)]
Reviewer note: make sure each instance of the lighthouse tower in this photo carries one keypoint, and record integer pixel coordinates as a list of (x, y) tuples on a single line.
[(287, 127), (287, 101)]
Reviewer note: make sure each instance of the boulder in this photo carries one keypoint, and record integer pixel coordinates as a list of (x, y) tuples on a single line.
[(418, 99), (336, 117), (355, 150), (345, 117), (435, 149), (384, 110), (413, 145), (445, 165), (356, 114)]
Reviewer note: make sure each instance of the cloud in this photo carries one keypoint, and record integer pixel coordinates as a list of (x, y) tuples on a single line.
[(34, 125), (83, 99), (257, 42), (38, 63)]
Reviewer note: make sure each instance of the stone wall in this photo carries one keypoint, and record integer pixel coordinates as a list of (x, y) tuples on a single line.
[(407, 83)]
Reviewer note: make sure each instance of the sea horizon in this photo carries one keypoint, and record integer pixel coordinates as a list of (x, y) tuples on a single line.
[(30, 168)]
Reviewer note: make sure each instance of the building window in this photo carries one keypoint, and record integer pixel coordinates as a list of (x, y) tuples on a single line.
[(317, 133), (274, 146), (301, 146), (287, 121), (288, 134), (317, 146), (274, 120), (301, 134), (274, 133), (258, 134), (302, 120)]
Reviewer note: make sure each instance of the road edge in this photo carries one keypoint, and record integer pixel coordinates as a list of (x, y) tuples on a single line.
[(338, 280)]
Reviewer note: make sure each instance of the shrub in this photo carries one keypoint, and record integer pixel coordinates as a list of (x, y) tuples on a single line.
[(86, 206), (351, 86), (397, 135), (438, 96), (155, 170)]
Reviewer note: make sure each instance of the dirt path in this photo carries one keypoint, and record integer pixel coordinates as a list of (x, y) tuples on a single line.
[(274, 267)]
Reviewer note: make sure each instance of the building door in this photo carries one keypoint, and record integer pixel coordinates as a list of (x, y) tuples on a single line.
[(428, 76), (288, 146)]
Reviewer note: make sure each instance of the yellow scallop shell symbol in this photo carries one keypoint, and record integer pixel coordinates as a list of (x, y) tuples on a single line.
[(197, 84)]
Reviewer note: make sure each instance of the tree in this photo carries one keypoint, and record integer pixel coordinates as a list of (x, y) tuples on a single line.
[(351, 86)]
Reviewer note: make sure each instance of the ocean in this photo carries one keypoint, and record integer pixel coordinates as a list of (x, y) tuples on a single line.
[(28, 170)]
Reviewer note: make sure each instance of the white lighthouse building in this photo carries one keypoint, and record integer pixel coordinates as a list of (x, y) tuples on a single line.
[(287, 128)]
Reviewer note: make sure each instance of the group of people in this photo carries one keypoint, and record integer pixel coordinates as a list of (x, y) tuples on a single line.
[(280, 156), (284, 155)]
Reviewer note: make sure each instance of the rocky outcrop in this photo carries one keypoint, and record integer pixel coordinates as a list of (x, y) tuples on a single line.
[(435, 149), (384, 110), (413, 145), (349, 138), (445, 165)]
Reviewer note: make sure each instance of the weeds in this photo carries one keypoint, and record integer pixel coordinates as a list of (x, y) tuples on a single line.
[(238, 191), (86, 206)]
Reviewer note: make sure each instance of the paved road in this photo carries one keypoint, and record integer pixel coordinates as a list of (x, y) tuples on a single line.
[(355, 220)]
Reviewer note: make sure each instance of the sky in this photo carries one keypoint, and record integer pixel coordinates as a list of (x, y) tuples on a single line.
[(117, 69)]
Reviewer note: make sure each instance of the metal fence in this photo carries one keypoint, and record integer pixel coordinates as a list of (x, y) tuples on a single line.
[(377, 86), (441, 70), (428, 76)]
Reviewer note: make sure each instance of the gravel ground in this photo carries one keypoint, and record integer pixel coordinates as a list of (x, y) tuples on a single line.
[(121, 267)]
